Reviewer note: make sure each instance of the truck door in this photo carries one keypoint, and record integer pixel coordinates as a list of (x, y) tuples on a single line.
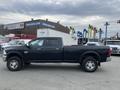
[(53, 50), (35, 52)]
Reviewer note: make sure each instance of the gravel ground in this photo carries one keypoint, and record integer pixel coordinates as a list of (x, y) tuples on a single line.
[(61, 77)]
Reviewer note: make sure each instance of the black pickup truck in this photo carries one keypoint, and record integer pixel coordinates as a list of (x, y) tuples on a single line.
[(51, 50)]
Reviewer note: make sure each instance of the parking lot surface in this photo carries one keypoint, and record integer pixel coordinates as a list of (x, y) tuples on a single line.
[(61, 77)]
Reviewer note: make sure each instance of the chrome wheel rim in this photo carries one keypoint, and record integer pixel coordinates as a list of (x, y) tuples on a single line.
[(90, 65), (14, 64)]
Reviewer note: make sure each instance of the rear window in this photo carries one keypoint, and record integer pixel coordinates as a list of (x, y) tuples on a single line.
[(91, 44)]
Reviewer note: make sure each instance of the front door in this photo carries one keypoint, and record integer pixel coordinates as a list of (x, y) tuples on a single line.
[(36, 50)]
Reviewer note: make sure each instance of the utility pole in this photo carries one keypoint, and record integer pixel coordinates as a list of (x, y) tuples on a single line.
[(118, 22), (100, 34), (106, 25)]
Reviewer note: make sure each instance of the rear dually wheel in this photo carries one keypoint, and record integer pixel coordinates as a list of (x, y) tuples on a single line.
[(89, 64)]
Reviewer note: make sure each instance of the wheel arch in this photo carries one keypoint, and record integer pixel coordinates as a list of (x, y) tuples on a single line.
[(90, 53), (13, 54)]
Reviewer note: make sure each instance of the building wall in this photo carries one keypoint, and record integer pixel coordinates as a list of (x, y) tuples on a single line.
[(30, 27)]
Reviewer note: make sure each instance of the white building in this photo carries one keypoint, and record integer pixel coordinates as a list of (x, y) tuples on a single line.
[(67, 38)]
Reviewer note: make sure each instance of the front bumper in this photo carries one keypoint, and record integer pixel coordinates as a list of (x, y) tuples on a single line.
[(108, 59)]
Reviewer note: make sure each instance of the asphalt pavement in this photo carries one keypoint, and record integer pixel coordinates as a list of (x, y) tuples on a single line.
[(61, 77)]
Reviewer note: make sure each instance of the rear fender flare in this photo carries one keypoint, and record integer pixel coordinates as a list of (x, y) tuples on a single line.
[(89, 53)]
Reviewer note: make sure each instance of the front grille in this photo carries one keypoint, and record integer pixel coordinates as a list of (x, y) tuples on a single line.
[(114, 50)]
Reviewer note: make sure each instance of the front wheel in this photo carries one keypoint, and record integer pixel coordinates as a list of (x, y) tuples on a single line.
[(14, 64), (89, 64)]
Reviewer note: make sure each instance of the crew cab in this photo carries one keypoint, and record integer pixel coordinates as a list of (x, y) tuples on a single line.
[(51, 50)]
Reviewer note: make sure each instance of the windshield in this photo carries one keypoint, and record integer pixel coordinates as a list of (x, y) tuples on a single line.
[(113, 42)]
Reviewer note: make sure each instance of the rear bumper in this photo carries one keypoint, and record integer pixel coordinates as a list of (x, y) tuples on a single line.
[(108, 59)]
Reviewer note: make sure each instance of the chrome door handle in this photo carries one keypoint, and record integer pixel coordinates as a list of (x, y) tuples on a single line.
[(39, 49), (57, 48)]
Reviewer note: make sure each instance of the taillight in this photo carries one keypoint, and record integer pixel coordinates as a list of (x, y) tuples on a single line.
[(109, 52)]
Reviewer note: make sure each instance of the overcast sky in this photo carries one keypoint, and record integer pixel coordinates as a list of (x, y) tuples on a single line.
[(77, 13)]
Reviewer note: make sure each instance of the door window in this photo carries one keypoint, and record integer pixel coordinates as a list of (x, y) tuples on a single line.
[(53, 42), (37, 43)]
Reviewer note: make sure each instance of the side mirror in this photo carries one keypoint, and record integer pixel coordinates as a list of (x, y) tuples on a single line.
[(27, 45), (20, 43)]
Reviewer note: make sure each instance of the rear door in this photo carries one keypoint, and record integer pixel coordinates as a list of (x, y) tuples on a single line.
[(53, 50)]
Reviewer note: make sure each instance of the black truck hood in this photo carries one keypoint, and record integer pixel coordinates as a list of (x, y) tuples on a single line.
[(17, 48)]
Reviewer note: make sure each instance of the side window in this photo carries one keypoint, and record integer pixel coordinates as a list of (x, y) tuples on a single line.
[(52, 42), (37, 43), (40, 43)]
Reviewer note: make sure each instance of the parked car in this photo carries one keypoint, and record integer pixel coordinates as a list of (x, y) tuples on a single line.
[(2, 40), (51, 50), (94, 44), (115, 45), (93, 40), (15, 42)]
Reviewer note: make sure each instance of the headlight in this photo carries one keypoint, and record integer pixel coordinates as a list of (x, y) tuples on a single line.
[(4, 52)]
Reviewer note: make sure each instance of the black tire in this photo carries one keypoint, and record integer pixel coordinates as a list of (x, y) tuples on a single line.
[(89, 64), (14, 64)]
